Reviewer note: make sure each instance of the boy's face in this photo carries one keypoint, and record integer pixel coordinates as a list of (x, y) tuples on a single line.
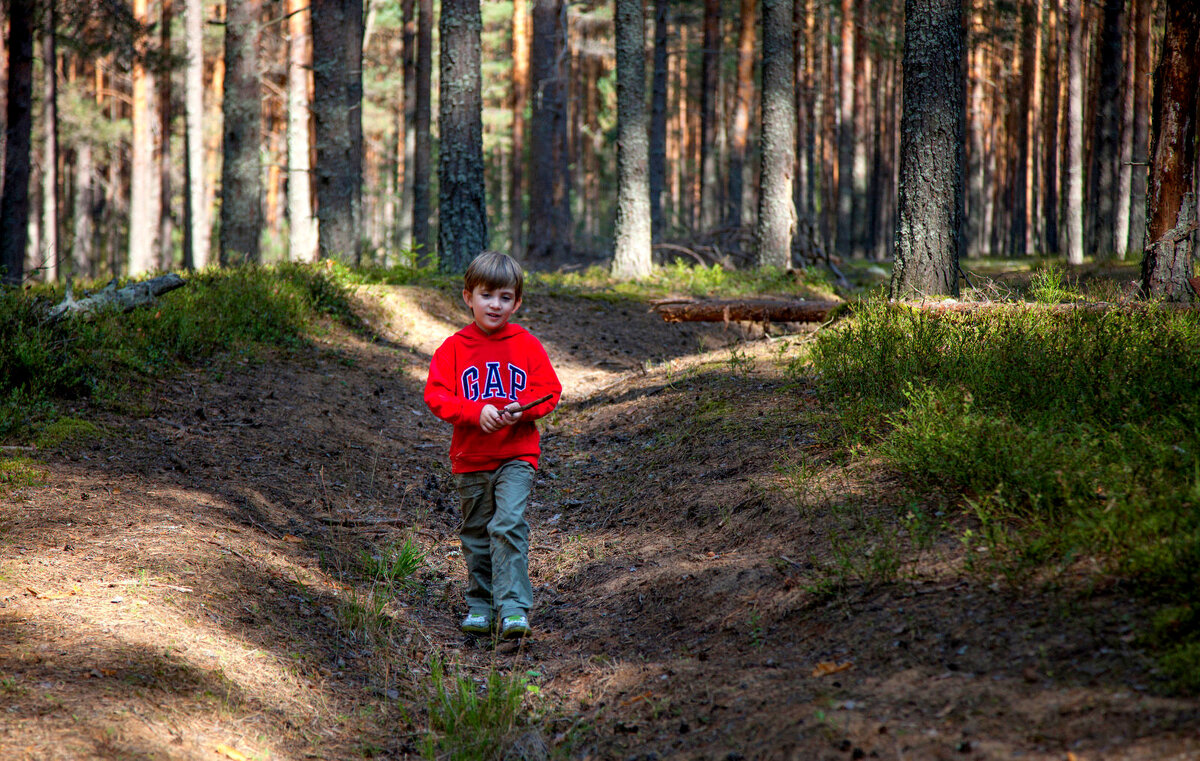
[(491, 307)]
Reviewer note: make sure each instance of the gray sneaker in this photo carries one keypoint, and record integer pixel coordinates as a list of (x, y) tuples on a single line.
[(476, 623), (514, 626)]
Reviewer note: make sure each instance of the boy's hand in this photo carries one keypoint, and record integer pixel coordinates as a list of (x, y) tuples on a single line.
[(492, 419)]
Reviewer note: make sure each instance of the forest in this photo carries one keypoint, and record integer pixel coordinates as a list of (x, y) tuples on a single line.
[(877, 330)]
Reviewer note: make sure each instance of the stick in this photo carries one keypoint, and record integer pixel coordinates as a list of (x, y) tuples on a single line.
[(534, 403)]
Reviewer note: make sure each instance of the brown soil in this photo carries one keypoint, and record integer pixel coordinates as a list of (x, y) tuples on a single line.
[(190, 585)]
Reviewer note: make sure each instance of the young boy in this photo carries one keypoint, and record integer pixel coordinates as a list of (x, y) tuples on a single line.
[(478, 379)]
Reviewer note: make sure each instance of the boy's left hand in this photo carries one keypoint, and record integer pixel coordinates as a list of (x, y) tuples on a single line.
[(492, 419)]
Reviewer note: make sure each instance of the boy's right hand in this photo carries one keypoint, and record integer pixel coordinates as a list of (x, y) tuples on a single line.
[(492, 419)]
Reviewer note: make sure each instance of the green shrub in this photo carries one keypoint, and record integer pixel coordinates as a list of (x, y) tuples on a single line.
[(1070, 434), (469, 721)]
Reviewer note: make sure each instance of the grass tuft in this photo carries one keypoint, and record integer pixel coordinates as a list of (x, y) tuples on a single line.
[(471, 721)]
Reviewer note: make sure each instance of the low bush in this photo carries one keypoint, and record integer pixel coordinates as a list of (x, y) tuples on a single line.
[(1070, 434)]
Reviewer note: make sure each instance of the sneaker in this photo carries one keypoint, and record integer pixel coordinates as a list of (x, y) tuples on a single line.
[(514, 626), (476, 623)]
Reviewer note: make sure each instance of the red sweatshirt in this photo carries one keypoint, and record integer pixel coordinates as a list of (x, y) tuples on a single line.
[(471, 369)]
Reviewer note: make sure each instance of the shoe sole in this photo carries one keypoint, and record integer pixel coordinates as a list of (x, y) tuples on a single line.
[(515, 633), (483, 631)]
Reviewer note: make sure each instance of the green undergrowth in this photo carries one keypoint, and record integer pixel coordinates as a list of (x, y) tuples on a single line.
[(474, 720), (1070, 435), (19, 472), (44, 364), (691, 280)]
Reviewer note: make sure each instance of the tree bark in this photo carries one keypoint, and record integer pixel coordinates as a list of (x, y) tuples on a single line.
[(337, 236), (739, 138), (302, 229), (1019, 230), (1171, 194), (845, 141), (83, 244), (710, 79), (631, 258), (196, 224), (354, 95), (929, 220), (14, 202), (776, 213), (1074, 156), (423, 143), (50, 146), (549, 194), (462, 216), (1106, 132), (658, 121), (404, 221), (1050, 118), (1141, 125), (144, 190), (166, 244), (520, 102), (241, 175)]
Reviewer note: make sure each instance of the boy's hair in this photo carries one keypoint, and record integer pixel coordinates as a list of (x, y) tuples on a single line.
[(492, 269)]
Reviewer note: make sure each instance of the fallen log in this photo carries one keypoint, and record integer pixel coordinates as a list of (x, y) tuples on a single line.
[(124, 299), (820, 311), (758, 310)]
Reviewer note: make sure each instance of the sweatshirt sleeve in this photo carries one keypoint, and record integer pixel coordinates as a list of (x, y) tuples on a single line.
[(441, 390), (542, 380)]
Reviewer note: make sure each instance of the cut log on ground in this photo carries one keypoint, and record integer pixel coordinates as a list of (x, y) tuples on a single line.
[(821, 311), (124, 299)]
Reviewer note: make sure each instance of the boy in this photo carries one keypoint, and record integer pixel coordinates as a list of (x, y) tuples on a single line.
[(478, 379)]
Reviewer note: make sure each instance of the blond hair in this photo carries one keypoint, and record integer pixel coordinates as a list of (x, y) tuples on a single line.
[(492, 269)]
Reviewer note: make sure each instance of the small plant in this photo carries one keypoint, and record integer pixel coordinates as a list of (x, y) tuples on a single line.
[(741, 364), (18, 472), (469, 720), (67, 430), (1049, 286), (395, 564), (758, 636)]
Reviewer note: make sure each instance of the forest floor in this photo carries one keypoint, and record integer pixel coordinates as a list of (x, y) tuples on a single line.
[(716, 577)]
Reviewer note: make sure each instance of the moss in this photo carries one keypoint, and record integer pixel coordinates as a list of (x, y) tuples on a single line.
[(67, 430)]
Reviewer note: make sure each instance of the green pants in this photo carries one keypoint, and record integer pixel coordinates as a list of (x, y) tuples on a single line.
[(495, 538)]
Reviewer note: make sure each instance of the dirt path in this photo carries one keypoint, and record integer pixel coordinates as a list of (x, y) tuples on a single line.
[(191, 585)]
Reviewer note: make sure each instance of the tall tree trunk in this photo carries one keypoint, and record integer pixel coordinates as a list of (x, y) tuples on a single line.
[(929, 217), (50, 145), (337, 237), (83, 244), (1074, 132), (1019, 229), (1171, 194), (166, 246), (710, 79), (404, 222), (1141, 124), (658, 121), (1050, 118), (520, 101), (631, 258), (776, 215), (739, 139), (861, 110), (462, 216), (549, 198), (302, 228), (241, 175), (196, 224), (845, 152), (1125, 150), (354, 96), (1106, 131), (144, 190), (423, 145)]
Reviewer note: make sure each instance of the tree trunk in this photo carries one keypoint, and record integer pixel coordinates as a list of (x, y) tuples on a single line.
[(519, 102), (336, 235), (1171, 194), (302, 229), (549, 195), (1074, 132), (658, 121), (776, 214), (1106, 132), (144, 190), (1125, 146), (930, 201), (423, 143), (462, 216), (1141, 125), (18, 127), (710, 79), (1019, 230), (1050, 118), (739, 138), (404, 221), (845, 150), (195, 225), (241, 175), (631, 258), (83, 245), (50, 146), (353, 105), (166, 246)]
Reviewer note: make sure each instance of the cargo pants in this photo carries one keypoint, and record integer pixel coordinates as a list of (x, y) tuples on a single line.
[(495, 538)]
